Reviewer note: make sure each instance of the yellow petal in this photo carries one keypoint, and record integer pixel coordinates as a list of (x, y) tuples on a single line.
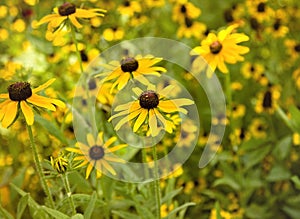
[(10, 113), (74, 21), (125, 106), (43, 86), (100, 138), (140, 120), (127, 119), (153, 123), (108, 167), (4, 96), (88, 171), (90, 140), (41, 102), (27, 112), (116, 148), (109, 141)]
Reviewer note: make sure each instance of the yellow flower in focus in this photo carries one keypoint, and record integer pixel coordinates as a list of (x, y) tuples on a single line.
[(21, 96), (152, 108), (221, 48), (97, 154), (68, 11), (130, 67)]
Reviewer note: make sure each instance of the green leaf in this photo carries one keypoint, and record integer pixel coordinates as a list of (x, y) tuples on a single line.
[(282, 148), (181, 208), (293, 212), (22, 205), (77, 216), (89, 210), (253, 157), (51, 128), (5, 213), (170, 195), (54, 213), (296, 181), (295, 118), (277, 173), (218, 210)]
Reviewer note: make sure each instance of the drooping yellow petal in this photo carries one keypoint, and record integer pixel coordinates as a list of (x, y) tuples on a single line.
[(98, 174), (140, 120), (74, 21), (108, 167), (127, 119), (88, 170), (153, 123), (41, 102), (85, 162), (27, 112), (10, 113), (115, 159)]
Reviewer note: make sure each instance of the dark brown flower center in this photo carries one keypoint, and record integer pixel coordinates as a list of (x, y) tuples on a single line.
[(183, 9), (92, 84), (215, 47), (254, 23), (126, 3), (66, 9), (261, 7), (267, 101), (277, 24), (188, 22), (297, 47), (19, 91), (149, 99), (252, 68), (129, 64), (96, 152)]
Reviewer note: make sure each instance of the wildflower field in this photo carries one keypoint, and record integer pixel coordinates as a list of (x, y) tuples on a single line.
[(150, 109)]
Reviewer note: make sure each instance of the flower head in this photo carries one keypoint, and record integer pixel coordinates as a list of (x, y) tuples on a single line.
[(59, 163), (21, 96), (98, 154), (132, 67), (68, 11), (221, 48), (152, 108)]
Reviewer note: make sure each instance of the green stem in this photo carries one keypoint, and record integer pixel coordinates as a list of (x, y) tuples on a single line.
[(104, 195), (285, 119), (69, 193), (228, 95), (39, 168), (156, 183)]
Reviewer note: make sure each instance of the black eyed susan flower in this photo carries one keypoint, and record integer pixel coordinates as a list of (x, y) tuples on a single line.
[(267, 101), (113, 33), (97, 154), (68, 11), (293, 48), (260, 10), (129, 8), (184, 9), (258, 128), (132, 67), (152, 108), (60, 163), (21, 96), (221, 48), (191, 28)]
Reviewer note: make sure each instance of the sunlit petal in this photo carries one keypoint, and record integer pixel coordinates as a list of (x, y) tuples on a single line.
[(10, 113), (27, 112)]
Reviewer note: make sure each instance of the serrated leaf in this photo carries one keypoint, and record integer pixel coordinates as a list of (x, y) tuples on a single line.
[(22, 205), (54, 213), (89, 210), (51, 128)]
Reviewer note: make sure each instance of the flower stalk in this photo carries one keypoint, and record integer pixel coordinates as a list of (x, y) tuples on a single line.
[(156, 183), (39, 168)]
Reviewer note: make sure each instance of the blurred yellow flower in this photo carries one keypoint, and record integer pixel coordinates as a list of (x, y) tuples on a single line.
[(221, 48), (19, 96)]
